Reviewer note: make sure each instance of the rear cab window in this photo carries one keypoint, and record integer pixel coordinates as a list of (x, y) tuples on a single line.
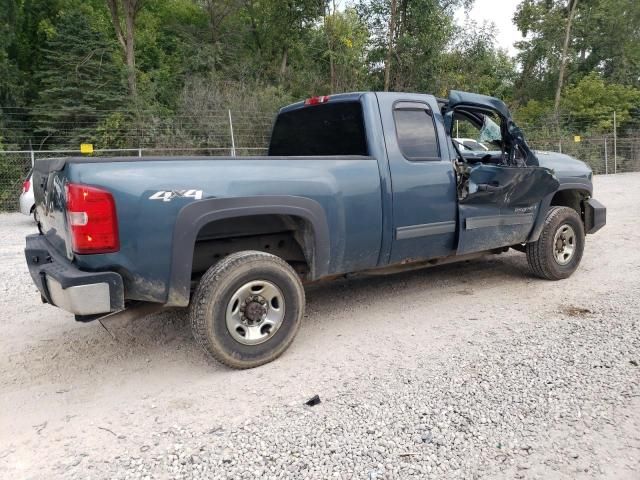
[(318, 130)]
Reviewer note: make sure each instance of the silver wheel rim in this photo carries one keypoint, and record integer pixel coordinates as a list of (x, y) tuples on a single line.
[(255, 312), (564, 244)]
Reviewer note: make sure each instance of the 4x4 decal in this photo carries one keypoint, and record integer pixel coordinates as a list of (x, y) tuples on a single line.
[(168, 195)]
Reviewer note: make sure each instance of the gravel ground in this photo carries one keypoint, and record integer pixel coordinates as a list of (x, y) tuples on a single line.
[(472, 370)]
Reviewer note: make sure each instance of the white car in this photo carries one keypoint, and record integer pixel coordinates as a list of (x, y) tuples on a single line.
[(471, 145), (27, 201)]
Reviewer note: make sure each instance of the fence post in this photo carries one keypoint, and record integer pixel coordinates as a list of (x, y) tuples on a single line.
[(139, 151), (615, 144), (606, 160), (233, 141), (33, 158), (560, 145)]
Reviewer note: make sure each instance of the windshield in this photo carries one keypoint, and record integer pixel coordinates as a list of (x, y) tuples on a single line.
[(490, 132), (475, 131)]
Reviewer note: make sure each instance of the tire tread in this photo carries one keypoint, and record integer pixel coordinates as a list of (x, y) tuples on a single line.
[(536, 252), (200, 301)]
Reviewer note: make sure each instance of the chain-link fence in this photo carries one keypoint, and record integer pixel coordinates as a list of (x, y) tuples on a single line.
[(204, 133), (15, 166), (241, 134), (598, 152), (609, 142), (14, 169)]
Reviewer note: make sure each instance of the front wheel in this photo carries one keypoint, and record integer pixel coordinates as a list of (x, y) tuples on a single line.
[(558, 251), (247, 309)]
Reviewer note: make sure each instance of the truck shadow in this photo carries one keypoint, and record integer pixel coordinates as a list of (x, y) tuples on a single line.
[(466, 278), (154, 341)]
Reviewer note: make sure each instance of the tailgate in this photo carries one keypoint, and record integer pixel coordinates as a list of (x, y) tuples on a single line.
[(48, 190)]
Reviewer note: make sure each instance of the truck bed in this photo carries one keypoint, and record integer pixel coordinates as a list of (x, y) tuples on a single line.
[(149, 193)]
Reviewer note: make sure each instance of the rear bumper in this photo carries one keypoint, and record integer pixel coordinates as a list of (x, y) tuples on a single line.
[(595, 215), (63, 285)]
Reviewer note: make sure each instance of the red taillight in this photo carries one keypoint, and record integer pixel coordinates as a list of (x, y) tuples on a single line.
[(91, 214), (317, 100), (25, 185)]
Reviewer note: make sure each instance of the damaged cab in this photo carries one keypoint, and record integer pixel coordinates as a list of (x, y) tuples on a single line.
[(522, 194)]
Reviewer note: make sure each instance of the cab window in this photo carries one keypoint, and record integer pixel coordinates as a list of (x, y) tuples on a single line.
[(416, 133)]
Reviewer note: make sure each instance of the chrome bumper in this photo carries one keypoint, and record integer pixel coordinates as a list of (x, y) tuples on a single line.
[(89, 299), (62, 284)]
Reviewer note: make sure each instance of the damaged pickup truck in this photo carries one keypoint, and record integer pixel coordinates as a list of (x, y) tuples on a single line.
[(358, 182)]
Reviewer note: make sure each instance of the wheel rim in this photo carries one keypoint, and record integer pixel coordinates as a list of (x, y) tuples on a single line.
[(255, 312), (564, 244)]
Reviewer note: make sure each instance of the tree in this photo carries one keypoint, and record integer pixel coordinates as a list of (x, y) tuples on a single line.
[(123, 17), (281, 30), (345, 42), (607, 40), (407, 40), (78, 81), (602, 36), (565, 48), (473, 63), (590, 104), (218, 11), (9, 73), (393, 13)]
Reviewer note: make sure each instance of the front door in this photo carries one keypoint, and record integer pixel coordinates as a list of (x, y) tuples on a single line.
[(500, 185), (422, 176)]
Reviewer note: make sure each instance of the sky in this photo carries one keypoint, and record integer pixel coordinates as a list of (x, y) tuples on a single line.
[(500, 12)]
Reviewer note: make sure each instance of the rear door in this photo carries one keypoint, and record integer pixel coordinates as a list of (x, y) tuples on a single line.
[(422, 176)]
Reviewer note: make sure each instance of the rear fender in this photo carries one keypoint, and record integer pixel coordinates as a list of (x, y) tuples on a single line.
[(196, 215)]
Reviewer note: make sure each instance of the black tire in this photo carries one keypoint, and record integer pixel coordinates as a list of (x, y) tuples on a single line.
[(541, 254), (215, 291)]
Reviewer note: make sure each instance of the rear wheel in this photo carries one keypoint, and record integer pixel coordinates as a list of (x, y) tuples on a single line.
[(247, 309), (558, 251)]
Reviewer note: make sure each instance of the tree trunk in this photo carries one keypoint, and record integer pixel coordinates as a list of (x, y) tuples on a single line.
[(563, 61), (126, 38), (254, 26), (387, 63), (283, 65), (328, 28), (130, 55)]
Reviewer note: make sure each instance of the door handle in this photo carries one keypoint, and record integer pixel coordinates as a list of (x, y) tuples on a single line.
[(487, 187)]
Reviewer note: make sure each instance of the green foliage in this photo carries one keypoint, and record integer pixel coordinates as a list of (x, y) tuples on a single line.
[(592, 101), (9, 73), (343, 39), (424, 29), (63, 75), (113, 131), (587, 108), (78, 79), (13, 170), (534, 113), (605, 38), (475, 64)]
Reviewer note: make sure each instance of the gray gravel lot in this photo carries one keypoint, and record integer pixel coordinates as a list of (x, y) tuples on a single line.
[(472, 370)]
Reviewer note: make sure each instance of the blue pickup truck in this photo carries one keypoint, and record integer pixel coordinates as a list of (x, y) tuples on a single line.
[(357, 182)]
